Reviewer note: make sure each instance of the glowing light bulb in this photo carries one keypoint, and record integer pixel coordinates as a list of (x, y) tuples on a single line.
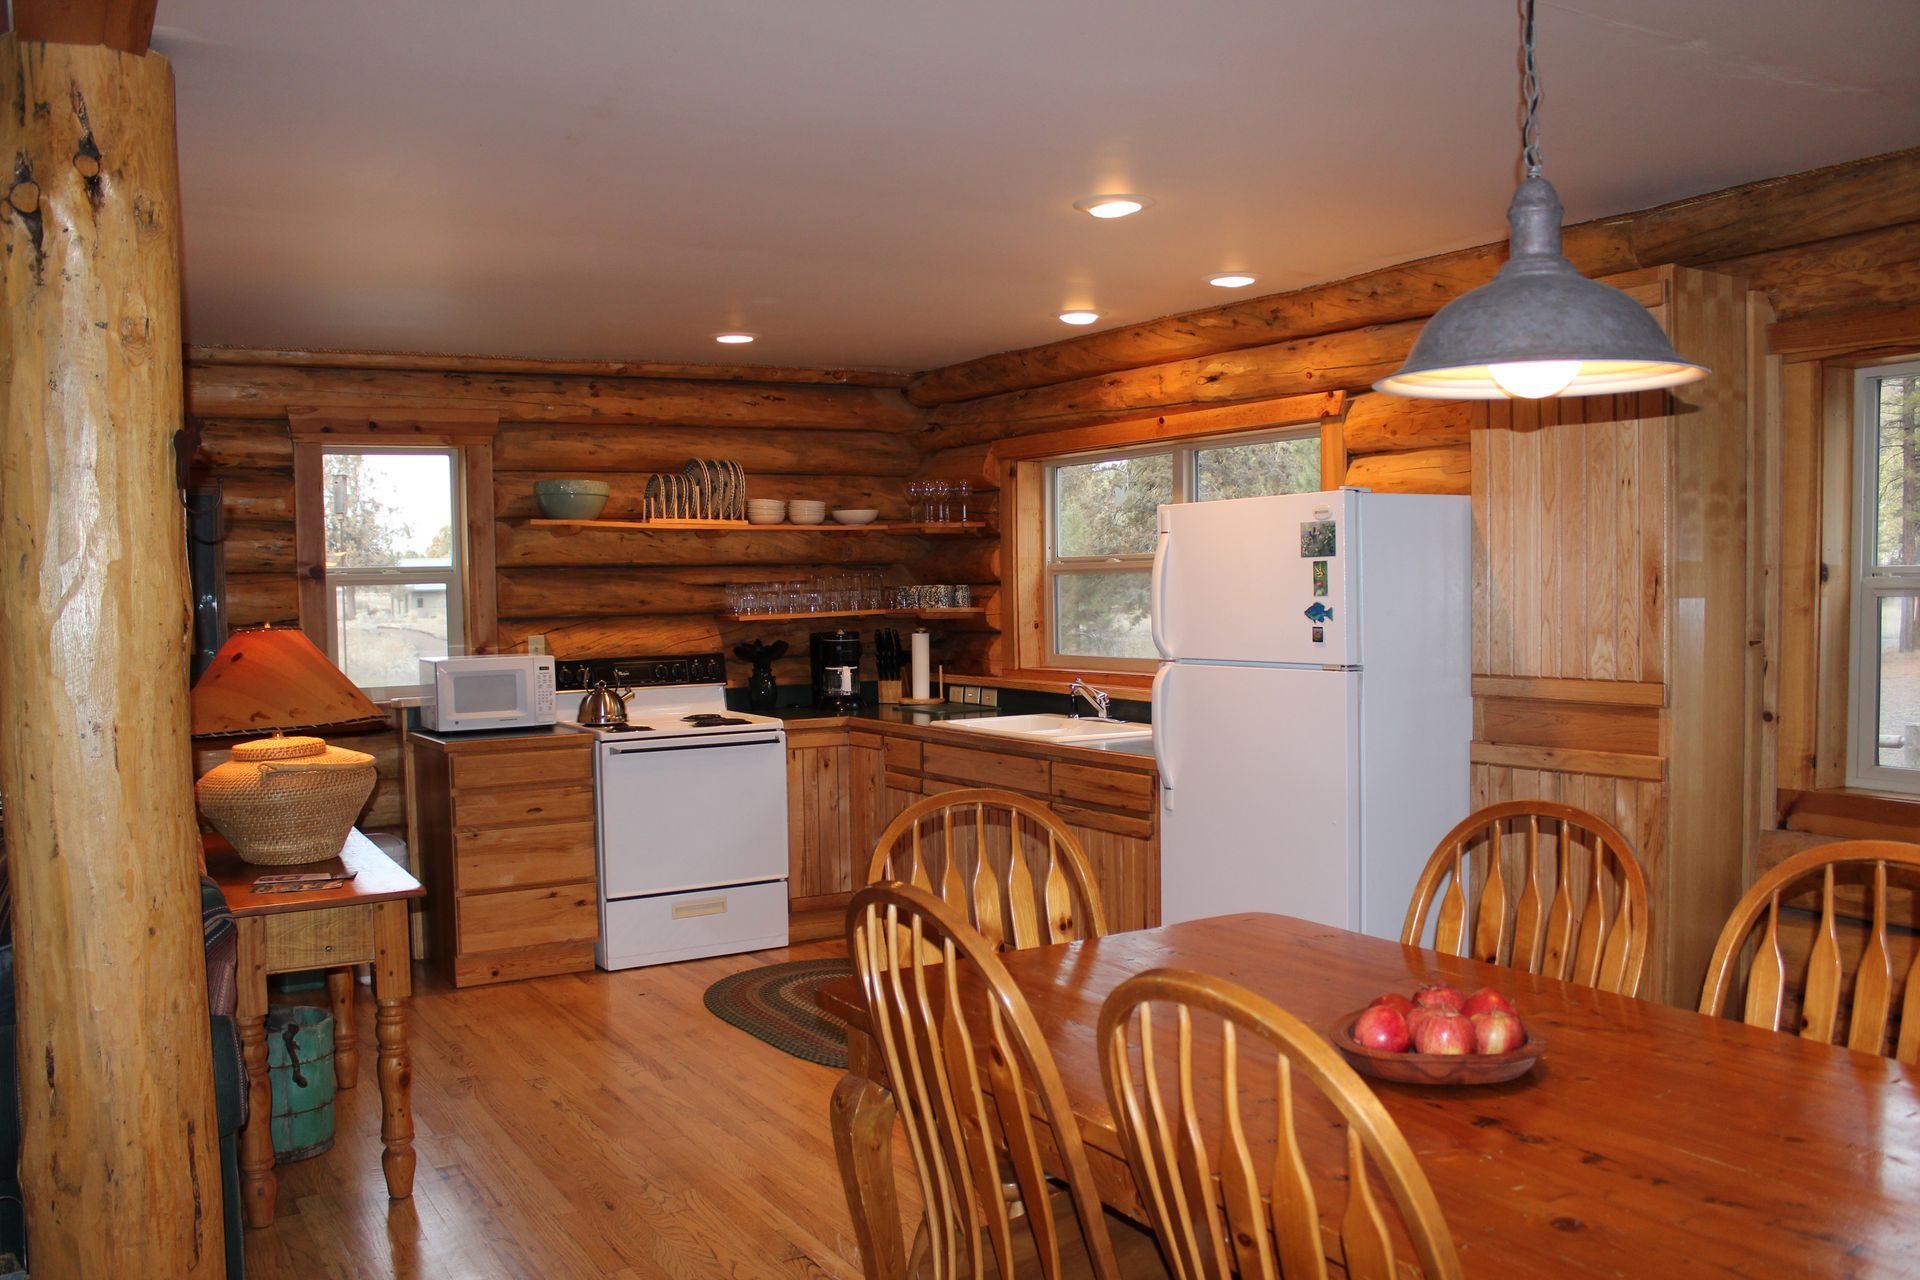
[(1079, 317), (1535, 379), (1112, 206), (1232, 280), (733, 339)]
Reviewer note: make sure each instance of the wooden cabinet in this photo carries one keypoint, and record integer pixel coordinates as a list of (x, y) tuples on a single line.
[(505, 828), (845, 784), (1610, 655)]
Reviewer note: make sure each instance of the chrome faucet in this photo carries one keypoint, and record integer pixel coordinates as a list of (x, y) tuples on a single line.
[(1097, 697)]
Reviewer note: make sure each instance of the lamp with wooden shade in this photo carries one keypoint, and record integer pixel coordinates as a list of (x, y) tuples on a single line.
[(281, 800)]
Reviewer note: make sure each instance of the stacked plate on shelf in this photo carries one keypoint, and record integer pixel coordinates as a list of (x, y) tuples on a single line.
[(706, 489)]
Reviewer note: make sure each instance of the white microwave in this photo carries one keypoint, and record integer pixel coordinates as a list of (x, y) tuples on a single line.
[(487, 691)]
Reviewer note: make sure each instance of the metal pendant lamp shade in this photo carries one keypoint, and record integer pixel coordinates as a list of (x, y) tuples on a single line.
[(1539, 328)]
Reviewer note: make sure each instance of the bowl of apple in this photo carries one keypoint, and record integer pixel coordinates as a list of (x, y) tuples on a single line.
[(1439, 1036)]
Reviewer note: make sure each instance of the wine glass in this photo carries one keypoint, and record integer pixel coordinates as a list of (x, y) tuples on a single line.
[(936, 501), (962, 489)]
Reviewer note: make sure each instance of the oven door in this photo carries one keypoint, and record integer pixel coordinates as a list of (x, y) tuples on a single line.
[(691, 813)]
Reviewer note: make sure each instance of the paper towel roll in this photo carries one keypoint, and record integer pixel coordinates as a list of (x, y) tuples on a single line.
[(922, 664)]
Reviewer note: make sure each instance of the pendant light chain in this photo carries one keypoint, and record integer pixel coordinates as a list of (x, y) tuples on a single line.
[(1530, 91)]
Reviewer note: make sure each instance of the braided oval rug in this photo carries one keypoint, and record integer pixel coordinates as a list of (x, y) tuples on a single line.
[(775, 1004)]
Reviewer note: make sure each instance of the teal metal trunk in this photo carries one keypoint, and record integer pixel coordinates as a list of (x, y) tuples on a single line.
[(300, 1065)]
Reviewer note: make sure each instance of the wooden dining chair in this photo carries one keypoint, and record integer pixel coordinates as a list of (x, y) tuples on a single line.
[(1220, 1209), (1497, 907), (970, 1072), (1006, 862), (1850, 916)]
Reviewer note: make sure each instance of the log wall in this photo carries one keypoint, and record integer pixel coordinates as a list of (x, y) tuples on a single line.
[(590, 593), (1820, 244)]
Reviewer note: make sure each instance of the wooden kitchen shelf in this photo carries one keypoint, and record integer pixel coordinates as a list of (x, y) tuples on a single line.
[(925, 615), (970, 528)]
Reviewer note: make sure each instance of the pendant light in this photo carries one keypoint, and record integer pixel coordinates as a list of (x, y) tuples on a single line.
[(1539, 328)]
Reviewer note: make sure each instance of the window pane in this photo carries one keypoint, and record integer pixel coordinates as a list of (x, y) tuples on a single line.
[(382, 632), (387, 510), (1899, 683), (1898, 454), (1102, 615), (1110, 508), (1257, 470)]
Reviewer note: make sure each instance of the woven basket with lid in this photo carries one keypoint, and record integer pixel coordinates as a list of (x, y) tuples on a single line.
[(281, 801)]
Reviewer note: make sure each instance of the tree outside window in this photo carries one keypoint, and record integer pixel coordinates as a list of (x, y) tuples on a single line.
[(1886, 597)]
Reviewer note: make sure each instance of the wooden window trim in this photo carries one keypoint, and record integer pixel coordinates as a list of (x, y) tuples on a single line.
[(471, 434), (1817, 464)]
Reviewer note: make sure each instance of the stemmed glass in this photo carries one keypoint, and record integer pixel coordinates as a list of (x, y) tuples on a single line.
[(916, 501), (936, 501), (961, 491)]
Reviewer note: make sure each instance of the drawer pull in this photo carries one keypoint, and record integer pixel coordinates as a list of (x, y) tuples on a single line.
[(704, 907)]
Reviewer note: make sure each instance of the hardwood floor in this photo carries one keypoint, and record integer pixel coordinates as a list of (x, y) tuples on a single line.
[(600, 1124)]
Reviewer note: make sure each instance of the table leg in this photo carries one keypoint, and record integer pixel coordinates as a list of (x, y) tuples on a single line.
[(862, 1115), (392, 985), (346, 1049), (257, 1182)]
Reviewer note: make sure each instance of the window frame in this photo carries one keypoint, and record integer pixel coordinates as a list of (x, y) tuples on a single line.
[(1053, 566), (1871, 583), (452, 575)]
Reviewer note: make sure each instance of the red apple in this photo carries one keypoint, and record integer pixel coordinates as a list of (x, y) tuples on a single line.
[(1437, 996), (1394, 1000), (1445, 1033), (1415, 1018), (1382, 1027), (1486, 1000), (1497, 1031)]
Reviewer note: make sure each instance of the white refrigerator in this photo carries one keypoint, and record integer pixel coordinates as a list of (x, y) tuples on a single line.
[(1311, 710)]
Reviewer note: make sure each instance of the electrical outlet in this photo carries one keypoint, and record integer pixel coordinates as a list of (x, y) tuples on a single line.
[(970, 693), (989, 697), (537, 644)]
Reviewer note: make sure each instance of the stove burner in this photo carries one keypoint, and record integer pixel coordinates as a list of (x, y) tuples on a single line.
[(711, 719)]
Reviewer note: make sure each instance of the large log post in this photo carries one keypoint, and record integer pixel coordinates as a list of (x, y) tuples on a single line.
[(120, 1162)]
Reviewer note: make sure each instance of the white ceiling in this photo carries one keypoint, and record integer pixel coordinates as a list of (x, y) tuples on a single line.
[(889, 183)]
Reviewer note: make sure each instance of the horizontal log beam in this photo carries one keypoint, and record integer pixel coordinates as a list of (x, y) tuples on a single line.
[(259, 547), (266, 391), (1873, 269), (126, 25), (1759, 217), (523, 546), (424, 363), (1443, 470), (1349, 361), (1377, 423), (592, 450)]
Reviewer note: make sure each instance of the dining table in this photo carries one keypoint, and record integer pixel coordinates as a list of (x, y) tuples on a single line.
[(1647, 1140)]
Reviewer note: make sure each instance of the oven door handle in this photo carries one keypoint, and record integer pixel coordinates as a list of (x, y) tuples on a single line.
[(743, 740)]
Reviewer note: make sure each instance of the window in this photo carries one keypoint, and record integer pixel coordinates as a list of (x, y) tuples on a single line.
[(1101, 520), (1885, 670), (392, 563)]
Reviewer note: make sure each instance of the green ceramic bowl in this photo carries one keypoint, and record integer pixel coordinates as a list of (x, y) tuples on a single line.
[(571, 499)]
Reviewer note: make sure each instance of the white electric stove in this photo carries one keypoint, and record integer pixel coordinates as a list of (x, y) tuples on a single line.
[(690, 811)]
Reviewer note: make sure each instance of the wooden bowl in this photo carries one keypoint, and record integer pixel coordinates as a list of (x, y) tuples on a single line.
[(1435, 1068)]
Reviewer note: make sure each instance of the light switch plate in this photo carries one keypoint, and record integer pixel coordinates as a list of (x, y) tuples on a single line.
[(989, 697), (537, 643)]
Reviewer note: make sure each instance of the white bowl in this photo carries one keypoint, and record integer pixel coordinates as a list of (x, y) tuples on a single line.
[(856, 515), (764, 516), (798, 516)]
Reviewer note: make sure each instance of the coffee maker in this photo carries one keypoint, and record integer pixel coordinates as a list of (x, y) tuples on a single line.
[(836, 671)]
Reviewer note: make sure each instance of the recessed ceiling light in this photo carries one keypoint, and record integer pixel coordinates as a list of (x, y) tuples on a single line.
[(733, 339), (1113, 206), (1079, 317), (1232, 280)]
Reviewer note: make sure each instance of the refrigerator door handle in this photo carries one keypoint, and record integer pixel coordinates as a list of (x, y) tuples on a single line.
[(1156, 607), (1160, 744)]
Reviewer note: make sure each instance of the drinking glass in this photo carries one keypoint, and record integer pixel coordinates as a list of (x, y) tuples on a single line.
[(961, 490), (936, 501), (916, 501)]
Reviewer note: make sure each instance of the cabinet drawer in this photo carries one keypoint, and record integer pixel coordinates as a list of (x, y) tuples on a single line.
[(1113, 788), (529, 917), (902, 782), (903, 753), (549, 766), (510, 856), (1123, 824), (986, 768), (705, 922), (510, 808)]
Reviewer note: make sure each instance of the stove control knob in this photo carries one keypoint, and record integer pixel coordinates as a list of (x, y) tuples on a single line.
[(678, 671)]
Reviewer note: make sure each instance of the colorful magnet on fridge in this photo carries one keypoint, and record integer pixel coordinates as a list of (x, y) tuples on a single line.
[(1319, 577), (1319, 635), (1316, 538), (1318, 613)]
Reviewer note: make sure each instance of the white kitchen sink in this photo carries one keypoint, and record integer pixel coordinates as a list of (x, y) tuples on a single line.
[(1055, 728)]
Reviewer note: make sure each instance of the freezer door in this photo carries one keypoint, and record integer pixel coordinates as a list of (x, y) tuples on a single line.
[(1259, 794), (1258, 580)]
